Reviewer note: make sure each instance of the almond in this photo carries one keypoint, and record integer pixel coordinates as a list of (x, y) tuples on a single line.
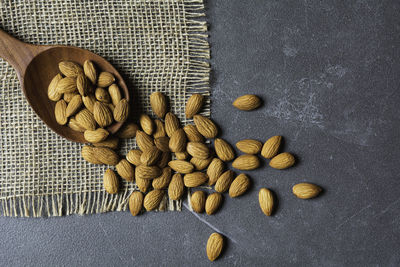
[(128, 130), (198, 201), (135, 202), (143, 140), (110, 182), (239, 186), (89, 102), (66, 85), (105, 79), (102, 95), (142, 184), (110, 142), (68, 96), (60, 112), (162, 143), (86, 119), (89, 155), (159, 129), (249, 146), (282, 161), (215, 244), (150, 156), (195, 179), (198, 150), (106, 155), (69, 68), (177, 141), (153, 199), (158, 104), (213, 203), (246, 162), (115, 94), (247, 102), (52, 91), (164, 159), (74, 125), (125, 170), (224, 181), (90, 71), (181, 155), (110, 106), (193, 105), (74, 105), (147, 172), (146, 123), (271, 147), (96, 136), (215, 170), (82, 84), (306, 190), (133, 156), (200, 164), (224, 150), (205, 126), (181, 166), (193, 134), (102, 114), (171, 123), (121, 111), (163, 180), (266, 200), (176, 187)]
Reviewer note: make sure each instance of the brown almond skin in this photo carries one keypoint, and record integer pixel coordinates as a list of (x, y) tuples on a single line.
[(198, 201), (181, 155), (90, 71), (150, 156), (271, 147), (177, 141), (171, 123), (163, 180), (195, 179), (125, 170), (239, 186), (152, 199), (215, 170), (115, 94), (176, 187), (181, 166), (198, 150), (266, 201), (106, 156), (246, 162), (96, 136), (193, 134), (74, 125), (282, 161), (215, 245), (88, 102), (69, 68), (159, 129), (133, 157), (200, 164), (52, 92), (247, 102), (162, 143), (121, 111), (146, 123), (135, 202), (205, 126), (102, 95), (102, 114), (224, 181), (68, 96), (105, 79), (110, 182), (110, 142), (85, 119), (164, 159), (249, 146), (143, 140), (306, 190), (128, 130), (147, 172), (224, 150), (82, 84), (60, 112), (89, 155), (74, 105), (142, 184), (158, 104), (194, 105), (66, 85), (213, 203)]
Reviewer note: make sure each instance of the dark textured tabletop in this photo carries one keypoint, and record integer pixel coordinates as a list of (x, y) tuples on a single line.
[(328, 72)]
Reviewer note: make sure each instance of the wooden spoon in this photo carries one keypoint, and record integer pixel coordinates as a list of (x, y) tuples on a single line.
[(36, 65)]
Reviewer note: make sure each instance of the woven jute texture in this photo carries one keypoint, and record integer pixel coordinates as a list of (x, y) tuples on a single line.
[(157, 45)]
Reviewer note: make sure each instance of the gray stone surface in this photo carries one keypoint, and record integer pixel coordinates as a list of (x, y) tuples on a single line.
[(328, 72)]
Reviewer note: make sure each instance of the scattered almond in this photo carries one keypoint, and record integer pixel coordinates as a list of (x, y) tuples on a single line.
[(193, 105), (282, 161), (89, 155), (162, 143), (198, 201), (96, 136), (90, 71), (110, 182), (249, 146), (177, 141), (150, 156), (69, 68), (147, 172), (215, 245), (146, 123), (121, 111), (193, 134), (114, 93), (181, 166), (159, 129), (306, 190), (153, 199), (239, 186), (215, 170), (176, 187), (105, 79), (125, 170), (143, 140), (142, 184), (171, 123), (158, 104), (200, 164), (247, 102), (246, 162), (205, 126), (135, 202), (224, 150), (74, 105), (106, 155), (52, 91), (224, 181), (163, 180), (213, 203), (60, 112), (110, 142), (195, 179), (128, 130), (102, 114), (271, 147), (266, 201), (198, 150)]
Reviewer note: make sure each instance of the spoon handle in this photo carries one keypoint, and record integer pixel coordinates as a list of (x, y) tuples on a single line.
[(17, 53)]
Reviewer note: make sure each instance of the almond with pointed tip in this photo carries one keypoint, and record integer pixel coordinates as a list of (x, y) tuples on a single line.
[(147, 172), (181, 166), (142, 184), (74, 125), (215, 245), (82, 84), (198, 150), (106, 155), (90, 71), (86, 119), (102, 114), (150, 156), (181, 155), (89, 102), (171, 123), (114, 93), (249, 146), (246, 162), (143, 140), (135, 202), (213, 203), (74, 105), (198, 201), (60, 112), (266, 201), (271, 147), (200, 164), (282, 161), (205, 126), (162, 181), (215, 170), (110, 142), (88, 154), (68, 96), (224, 150), (158, 104), (102, 95), (146, 123), (159, 129), (125, 170), (239, 186), (52, 92), (162, 143), (195, 179), (96, 136), (110, 182), (153, 199), (133, 156), (247, 102), (105, 79), (193, 134), (306, 190), (194, 105), (224, 181), (128, 130), (121, 111), (69, 68), (177, 141), (66, 85), (176, 187)]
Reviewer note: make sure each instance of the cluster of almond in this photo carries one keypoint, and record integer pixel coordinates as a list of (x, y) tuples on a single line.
[(84, 103)]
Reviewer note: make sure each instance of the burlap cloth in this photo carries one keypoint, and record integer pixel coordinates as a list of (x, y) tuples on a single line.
[(157, 45)]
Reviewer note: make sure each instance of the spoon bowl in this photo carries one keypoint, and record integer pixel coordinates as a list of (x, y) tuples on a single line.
[(37, 65)]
